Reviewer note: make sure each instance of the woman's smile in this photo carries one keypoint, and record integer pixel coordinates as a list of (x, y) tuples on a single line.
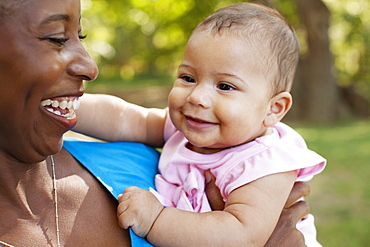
[(62, 109)]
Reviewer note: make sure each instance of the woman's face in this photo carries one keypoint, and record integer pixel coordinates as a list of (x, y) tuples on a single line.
[(42, 68)]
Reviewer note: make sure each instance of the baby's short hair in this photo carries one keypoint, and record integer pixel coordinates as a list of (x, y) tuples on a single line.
[(265, 29)]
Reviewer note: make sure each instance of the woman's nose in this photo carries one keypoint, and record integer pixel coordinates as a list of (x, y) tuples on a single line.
[(201, 96), (82, 65)]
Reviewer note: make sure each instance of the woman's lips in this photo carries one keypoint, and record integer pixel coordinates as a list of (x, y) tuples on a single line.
[(62, 109)]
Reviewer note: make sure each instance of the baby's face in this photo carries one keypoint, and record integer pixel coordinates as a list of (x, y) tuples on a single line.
[(220, 97)]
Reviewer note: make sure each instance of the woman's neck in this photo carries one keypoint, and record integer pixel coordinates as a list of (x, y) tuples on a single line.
[(25, 186)]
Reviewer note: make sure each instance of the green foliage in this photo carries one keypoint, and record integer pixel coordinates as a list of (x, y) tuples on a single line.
[(136, 37), (350, 42), (340, 197)]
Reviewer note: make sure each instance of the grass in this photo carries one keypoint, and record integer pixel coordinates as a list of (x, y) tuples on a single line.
[(340, 196)]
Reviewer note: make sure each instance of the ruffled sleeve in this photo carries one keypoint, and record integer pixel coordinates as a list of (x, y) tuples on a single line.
[(283, 151)]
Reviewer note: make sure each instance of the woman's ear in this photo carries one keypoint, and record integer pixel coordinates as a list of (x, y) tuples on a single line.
[(279, 105)]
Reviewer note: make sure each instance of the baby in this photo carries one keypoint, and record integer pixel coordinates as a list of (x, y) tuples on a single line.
[(224, 111)]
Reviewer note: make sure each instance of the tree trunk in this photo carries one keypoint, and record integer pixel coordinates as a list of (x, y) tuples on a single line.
[(316, 94)]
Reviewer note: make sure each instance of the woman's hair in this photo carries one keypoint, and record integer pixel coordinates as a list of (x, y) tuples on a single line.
[(266, 31), (9, 8), (5, 7)]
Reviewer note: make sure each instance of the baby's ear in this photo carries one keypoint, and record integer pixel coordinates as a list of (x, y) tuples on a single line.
[(279, 106)]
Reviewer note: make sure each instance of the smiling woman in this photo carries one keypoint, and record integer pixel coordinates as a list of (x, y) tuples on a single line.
[(42, 66), (43, 59)]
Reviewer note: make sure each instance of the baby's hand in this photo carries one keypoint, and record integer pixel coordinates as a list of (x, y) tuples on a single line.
[(138, 209)]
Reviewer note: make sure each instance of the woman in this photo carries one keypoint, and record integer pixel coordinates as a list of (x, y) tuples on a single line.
[(47, 198)]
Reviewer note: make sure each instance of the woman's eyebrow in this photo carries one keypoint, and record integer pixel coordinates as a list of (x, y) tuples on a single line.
[(53, 18)]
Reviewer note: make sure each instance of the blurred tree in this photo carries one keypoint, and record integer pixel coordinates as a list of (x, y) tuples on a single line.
[(321, 94), (135, 37), (318, 94), (350, 44)]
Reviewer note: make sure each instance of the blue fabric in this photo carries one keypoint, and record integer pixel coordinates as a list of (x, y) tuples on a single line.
[(118, 165)]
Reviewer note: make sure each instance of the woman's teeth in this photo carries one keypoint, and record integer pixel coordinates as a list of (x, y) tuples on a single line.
[(62, 108)]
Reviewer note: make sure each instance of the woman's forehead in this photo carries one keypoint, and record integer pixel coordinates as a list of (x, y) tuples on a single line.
[(32, 13), (33, 7)]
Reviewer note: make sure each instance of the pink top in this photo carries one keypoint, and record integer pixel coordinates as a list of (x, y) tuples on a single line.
[(182, 182)]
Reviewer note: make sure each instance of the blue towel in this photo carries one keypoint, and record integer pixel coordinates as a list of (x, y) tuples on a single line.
[(118, 165)]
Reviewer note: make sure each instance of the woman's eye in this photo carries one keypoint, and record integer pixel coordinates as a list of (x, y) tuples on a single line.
[(225, 87), (82, 37), (187, 78), (59, 41)]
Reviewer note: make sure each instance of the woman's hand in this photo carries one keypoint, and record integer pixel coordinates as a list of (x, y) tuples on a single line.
[(285, 233)]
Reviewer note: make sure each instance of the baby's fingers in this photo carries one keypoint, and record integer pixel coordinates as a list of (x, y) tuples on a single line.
[(122, 210), (125, 220), (126, 193), (122, 207)]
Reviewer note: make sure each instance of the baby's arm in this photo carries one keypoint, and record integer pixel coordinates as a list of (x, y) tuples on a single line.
[(113, 119), (250, 215)]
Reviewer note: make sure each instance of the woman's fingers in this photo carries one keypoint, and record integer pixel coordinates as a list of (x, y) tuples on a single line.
[(300, 189), (213, 192)]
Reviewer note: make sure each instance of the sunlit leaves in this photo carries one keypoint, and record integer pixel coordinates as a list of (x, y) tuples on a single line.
[(350, 41), (148, 36)]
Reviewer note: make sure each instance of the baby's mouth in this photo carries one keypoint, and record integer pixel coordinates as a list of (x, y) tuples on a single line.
[(64, 107)]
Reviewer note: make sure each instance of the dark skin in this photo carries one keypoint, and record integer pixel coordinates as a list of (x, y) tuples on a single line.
[(42, 57)]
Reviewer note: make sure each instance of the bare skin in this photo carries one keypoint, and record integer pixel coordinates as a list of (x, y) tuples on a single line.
[(28, 211)]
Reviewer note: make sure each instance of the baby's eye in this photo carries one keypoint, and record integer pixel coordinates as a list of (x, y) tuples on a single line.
[(225, 87), (187, 78)]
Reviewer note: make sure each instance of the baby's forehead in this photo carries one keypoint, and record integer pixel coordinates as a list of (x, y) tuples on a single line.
[(248, 35), (257, 56), (248, 42), (227, 51)]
